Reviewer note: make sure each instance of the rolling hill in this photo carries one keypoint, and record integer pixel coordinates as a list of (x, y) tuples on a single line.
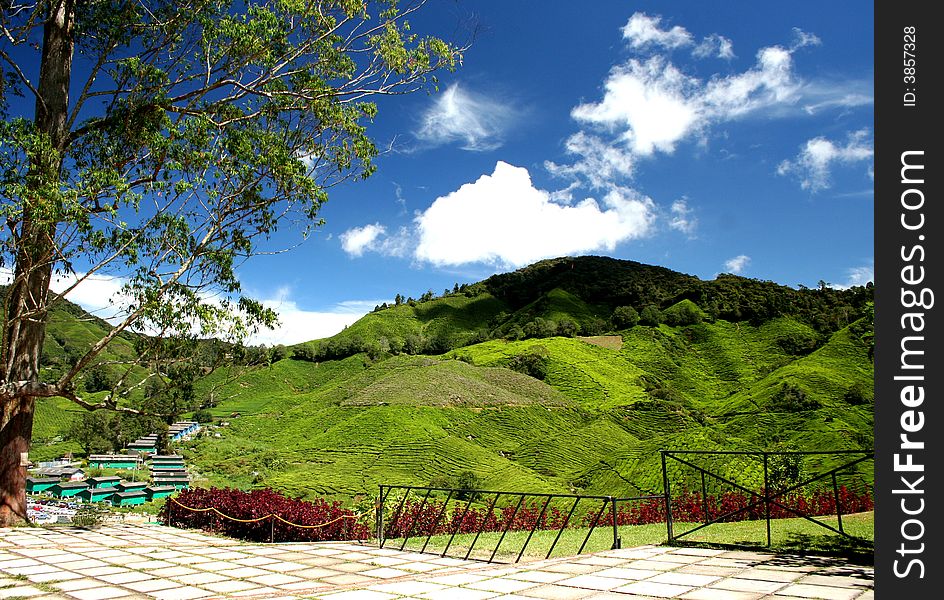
[(510, 379)]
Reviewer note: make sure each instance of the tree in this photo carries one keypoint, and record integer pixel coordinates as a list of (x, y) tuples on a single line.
[(91, 432), (196, 127), (650, 316), (624, 317)]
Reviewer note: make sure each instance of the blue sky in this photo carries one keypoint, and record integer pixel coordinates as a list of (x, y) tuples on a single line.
[(704, 137)]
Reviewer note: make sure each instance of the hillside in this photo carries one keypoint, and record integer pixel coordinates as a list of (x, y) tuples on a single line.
[(492, 378)]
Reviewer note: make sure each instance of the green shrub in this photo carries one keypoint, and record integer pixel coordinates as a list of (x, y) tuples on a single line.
[(90, 516)]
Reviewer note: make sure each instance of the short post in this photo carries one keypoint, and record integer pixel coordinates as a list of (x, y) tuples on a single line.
[(378, 516), (271, 529), (838, 508), (668, 498), (767, 499), (616, 540)]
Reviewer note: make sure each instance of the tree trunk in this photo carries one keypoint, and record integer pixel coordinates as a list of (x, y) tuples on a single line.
[(27, 299)]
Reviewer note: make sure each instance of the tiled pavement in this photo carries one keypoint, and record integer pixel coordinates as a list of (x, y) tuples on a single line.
[(150, 561)]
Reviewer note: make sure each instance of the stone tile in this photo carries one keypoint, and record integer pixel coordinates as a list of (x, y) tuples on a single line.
[(540, 576), (306, 586), (713, 594), (227, 555), (680, 558), (104, 592), (460, 594), (819, 591), (650, 588), (385, 573), (76, 584), (616, 596), (502, 584), (174, 572), (628, 573), (698, 551), (216, 565), (126, 577), (457, 579), (147, 565), (275, 579), (229, 586), (315, 573), (386, 561), (571, 568), (88, 563), (181, 593), (317, 562), (262, 591), (348, 579), (553, 592), (748, 585), (20, 562), (593, 582), (352, 567), (360, 595), (655, 565), (255, 561), (149, 586), (419, 567), (100, 571), (286, 567), (243, 572), (689, 579), (605, 561), (25, 591), (770, 575), (703, 569), (31, 570), (407, 588), (731, 563), (54, 576), (202, 578), (837, 581)]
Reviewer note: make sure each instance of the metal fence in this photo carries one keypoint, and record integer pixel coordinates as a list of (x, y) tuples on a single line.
[(420, 519), (776, 480)]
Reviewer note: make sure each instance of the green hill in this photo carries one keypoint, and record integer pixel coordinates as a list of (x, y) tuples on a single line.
[(491, 378)]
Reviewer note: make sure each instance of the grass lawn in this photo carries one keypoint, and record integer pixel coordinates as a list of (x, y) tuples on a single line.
[(787, 535)]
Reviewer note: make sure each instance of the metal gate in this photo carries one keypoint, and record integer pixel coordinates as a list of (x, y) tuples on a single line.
[(773, 493)]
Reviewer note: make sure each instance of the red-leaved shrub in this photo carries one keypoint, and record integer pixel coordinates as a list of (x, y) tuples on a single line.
[(243, 508)]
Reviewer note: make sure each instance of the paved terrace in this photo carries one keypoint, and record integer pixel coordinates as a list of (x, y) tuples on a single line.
[(151, 561)]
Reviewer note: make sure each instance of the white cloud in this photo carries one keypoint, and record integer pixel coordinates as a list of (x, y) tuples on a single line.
[(682, 218), (374, 238), (737, 264), (802, 38), (599, 163), (650, 105), (814, 162), (299, 325), (714, 46), (642, 31), (503, 219), (356, 240), (475, 121), (859, 276), (100, 295)]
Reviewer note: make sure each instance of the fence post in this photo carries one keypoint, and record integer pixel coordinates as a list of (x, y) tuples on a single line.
[(379, 515), (838, 508), (668, 498), (767, 499), (616, 539)]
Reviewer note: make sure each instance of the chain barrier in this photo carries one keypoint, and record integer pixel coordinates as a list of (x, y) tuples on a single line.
[(268, 516)]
